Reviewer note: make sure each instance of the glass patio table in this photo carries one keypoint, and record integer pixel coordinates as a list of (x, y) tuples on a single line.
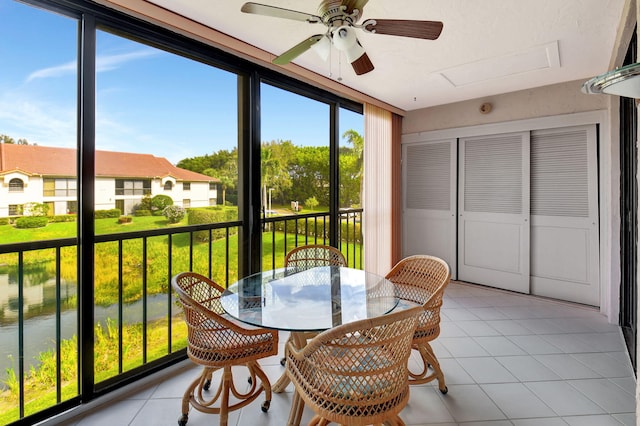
[(305, 302)]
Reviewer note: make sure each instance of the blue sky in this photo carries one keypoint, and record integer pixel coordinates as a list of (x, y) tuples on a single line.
[(147, 100)]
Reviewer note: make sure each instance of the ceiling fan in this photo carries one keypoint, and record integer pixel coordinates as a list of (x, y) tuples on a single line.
[(341, 17)]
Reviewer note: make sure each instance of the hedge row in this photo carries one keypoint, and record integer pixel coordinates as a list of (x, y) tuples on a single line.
[(105, 214), (31, 221), (317, 228), (197, 216), (62, 218)]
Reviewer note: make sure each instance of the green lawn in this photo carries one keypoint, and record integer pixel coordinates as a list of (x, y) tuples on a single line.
[(54, 231)]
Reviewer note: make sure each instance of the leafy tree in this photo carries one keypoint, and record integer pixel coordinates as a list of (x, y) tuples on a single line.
[(353, 170), (145, 203), (310, 174), (312, 203), (289, 172), (276, 165), (222, 165), (160, 201), (8, 139)]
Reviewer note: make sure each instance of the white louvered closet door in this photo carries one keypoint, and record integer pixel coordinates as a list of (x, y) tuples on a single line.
[(564, 215), (428, 220), (493, 203)]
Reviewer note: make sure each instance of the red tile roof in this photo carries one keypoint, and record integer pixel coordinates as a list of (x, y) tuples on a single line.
[(52, 161)]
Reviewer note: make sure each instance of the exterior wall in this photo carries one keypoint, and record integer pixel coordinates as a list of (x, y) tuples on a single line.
[(105, 194), (32, 191), (198, 195)]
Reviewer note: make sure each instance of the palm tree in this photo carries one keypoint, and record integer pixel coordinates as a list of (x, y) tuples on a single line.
[(357, 140)]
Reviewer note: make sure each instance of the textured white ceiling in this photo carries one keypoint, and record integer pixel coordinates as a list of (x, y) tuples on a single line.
[(487, 47)]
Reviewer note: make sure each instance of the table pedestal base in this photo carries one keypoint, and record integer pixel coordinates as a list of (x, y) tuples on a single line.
[(299, 340)]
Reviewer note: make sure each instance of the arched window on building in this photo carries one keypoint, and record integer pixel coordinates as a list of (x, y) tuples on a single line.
[(168, 185), (16, 185)]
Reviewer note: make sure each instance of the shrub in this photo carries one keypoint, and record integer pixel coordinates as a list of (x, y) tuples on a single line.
[(4, 220), (140, 212), (199, 216), (145, 203), (160, 201), (125, 219), (62, 218), (35, 209), (174, 214), (105, 214), (31, 222)]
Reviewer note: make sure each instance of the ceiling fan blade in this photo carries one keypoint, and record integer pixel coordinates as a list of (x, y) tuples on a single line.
[(362, 65), (297, 50), (354, 4), (429, 30), (279, 12)]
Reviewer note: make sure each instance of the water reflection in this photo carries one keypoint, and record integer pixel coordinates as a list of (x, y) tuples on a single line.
[(39, 302), (38, 292)]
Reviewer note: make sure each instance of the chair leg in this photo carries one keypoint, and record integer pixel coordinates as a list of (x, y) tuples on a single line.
[(297, 407), (396, 421), (428, 360), (198, 396), (256, 370), (203, 381)]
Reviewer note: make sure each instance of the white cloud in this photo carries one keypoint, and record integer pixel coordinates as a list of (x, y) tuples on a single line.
[(57, 71), (110, 62), (103, 63)]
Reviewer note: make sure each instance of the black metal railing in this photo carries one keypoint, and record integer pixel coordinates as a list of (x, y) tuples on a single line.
[(311, 228), (136, 318)]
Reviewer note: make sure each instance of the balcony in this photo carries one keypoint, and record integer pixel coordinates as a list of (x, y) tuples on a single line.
[(138, 328), (508, 359)]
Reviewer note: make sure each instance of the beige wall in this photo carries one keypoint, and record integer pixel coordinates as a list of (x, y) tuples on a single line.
[(547, 106), (557, 99)]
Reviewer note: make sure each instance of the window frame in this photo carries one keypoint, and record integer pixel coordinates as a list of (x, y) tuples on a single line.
[(13, 187), (132, 187)]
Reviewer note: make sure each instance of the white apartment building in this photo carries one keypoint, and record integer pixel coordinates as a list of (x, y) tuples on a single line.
[(39, 174)]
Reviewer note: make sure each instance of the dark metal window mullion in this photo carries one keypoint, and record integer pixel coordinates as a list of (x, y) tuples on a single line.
[(58, 329), (86, 202), (169, 291), (120, 306), (144, 300), (21, 332), (334, 173)]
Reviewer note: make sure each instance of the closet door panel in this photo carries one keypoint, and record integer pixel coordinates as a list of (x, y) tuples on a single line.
[(564, 215), (429, 222), (493, 204)]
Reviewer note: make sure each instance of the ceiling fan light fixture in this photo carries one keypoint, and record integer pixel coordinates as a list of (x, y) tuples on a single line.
[(624, 81), (344, 38), (322, 48), (354, 53)]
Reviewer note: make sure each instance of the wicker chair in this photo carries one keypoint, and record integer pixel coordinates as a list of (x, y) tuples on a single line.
[(421, 279), (310, 256), (216, 342), (356, 373)]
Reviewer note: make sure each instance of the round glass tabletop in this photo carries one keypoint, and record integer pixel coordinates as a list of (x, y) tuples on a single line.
[(315, 299)]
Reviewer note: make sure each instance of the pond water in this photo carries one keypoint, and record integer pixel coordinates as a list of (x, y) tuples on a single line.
[(39, 301)]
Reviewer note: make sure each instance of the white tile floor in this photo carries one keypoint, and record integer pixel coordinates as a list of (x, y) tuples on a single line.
[(508, 359)]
